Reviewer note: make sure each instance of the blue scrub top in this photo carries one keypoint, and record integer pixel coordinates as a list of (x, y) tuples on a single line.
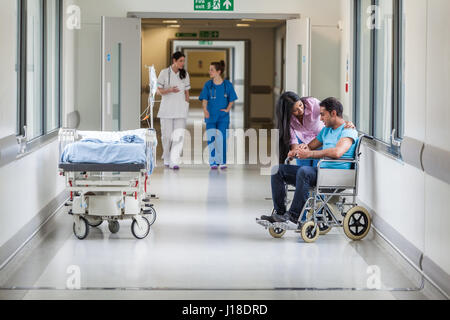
[(218, 98)]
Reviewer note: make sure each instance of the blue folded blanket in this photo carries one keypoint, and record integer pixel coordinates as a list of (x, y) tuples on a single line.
[(131, 149)]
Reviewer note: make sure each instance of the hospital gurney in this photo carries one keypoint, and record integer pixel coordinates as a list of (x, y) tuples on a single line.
[(319, 215), (114, 186)]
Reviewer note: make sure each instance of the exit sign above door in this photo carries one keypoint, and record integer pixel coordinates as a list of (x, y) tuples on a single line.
[(213, 5)]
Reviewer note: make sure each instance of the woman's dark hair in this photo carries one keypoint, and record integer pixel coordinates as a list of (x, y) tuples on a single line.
[(333, 104), (177, 56), (284, 109), (219, 66)]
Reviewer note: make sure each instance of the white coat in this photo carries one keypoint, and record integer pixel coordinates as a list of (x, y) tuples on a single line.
[(173, 105)]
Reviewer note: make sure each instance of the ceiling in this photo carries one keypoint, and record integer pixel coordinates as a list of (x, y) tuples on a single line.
[(201, 23)]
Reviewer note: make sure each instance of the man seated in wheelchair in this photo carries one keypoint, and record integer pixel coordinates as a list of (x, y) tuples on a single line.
[(337, 142)]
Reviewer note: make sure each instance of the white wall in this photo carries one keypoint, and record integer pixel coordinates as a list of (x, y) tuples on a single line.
[(30, 183), (412, 202)]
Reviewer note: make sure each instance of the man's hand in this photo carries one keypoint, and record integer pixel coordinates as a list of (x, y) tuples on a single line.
[(303, 153), (292, 154), (303, 146)]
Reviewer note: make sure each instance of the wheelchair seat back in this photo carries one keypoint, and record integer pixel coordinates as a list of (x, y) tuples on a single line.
[(341, 178)]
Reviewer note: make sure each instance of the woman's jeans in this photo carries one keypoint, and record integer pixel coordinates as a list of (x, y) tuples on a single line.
[(302, 178)]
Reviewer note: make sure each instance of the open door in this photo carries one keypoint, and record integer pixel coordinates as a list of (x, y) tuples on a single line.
[(298, 56), (121, 73)]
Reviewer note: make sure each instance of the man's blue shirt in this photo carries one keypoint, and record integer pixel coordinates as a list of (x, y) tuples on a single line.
[(330, 137)]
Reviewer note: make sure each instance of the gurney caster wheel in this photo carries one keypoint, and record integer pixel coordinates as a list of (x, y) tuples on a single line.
[(140, 232), (114, 226), (152, 213), (277, 233), (307, 232), (81, 230), (357, 223), (94, 223)]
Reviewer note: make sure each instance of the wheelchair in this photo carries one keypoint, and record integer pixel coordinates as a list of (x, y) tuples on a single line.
[(321, 213)]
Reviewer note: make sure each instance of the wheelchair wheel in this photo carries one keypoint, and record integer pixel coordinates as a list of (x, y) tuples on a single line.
[(277, 233), (307, 232), (357, 223), (323, 227)]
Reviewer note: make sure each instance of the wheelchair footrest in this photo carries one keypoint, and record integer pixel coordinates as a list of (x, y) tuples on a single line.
[(277, 225)]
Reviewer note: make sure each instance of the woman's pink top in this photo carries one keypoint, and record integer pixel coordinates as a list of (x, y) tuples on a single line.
[(311, 126)]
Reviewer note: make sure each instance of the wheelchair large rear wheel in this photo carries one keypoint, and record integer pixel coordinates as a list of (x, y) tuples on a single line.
[(357, 223), (277, 233), (308, 233)]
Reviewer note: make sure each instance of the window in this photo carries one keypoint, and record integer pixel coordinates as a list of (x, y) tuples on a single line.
[(39, 67), (378, 99)]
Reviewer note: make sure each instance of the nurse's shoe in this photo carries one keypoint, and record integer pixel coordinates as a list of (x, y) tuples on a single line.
[(223, 167), (214, 167), (175, 168)]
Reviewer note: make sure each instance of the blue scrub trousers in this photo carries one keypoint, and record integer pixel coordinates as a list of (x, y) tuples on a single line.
[(217, 135)]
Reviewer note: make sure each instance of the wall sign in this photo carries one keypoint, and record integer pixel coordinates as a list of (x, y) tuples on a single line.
[(213, 5)]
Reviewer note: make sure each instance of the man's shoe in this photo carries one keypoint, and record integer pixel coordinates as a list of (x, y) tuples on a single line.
[(281, 218), (268, 218)]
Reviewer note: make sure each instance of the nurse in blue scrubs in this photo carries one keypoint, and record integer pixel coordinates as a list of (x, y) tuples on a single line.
[(218, 96)]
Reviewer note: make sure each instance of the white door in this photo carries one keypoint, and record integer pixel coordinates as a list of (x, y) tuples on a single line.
[(121, 73), (298, 56)]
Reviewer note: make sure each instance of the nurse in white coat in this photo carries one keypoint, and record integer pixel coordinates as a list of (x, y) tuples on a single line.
[(173, 86)]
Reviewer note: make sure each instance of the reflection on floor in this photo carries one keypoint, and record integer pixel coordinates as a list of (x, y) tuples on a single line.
[(206, 244)]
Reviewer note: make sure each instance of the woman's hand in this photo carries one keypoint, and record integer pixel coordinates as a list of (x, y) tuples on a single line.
[(174, 90), (349, 125), (225, 110), (303, 146), (206, 114), (292, 154)]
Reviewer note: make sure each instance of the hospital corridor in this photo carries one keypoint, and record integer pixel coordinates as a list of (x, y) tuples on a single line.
[(224, 150)]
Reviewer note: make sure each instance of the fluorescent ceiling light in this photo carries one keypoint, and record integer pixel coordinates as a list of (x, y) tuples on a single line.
[(248, 20), (242, 25), (170, 21), (174, 26)]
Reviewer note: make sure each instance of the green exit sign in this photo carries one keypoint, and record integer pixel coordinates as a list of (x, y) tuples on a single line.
[(209, 34), (186, 35), (213, 5)]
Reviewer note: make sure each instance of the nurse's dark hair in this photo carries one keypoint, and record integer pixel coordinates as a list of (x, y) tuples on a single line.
[(284, 109), (177, 56), (333, 104), (219, 66)]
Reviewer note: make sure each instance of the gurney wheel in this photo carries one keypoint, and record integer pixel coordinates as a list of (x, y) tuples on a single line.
[(277, 233), (94, 223), (140, 233), (82, 231), (114, 226), (357, 223), (307, 232), (153, 214)]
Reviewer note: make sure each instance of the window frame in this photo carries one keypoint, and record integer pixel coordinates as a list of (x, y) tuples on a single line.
[(397, 110), (22, 48)]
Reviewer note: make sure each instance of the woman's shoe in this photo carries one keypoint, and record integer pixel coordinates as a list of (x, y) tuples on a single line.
[(214, 167), (223, 167)]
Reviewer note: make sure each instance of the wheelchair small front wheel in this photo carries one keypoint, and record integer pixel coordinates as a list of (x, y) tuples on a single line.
[(309, 235), (277, 233), (357, 223)]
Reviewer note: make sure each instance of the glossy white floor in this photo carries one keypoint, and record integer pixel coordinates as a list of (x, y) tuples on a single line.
[(205, 244)]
